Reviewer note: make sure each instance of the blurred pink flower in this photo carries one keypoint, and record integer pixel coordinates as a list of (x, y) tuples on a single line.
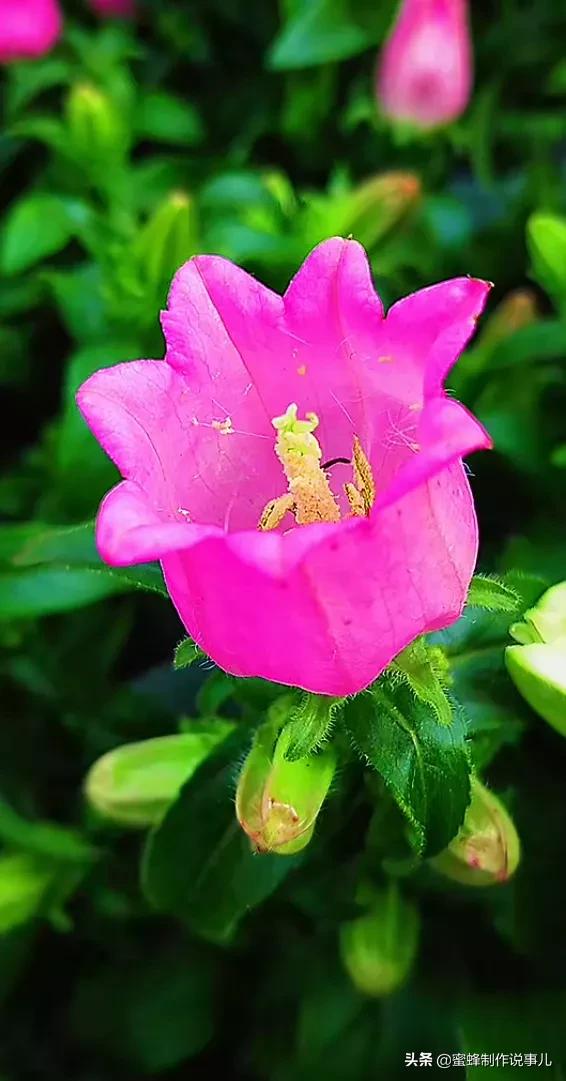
[(28, 28), (113, 8), (323, 606), (425, 71)]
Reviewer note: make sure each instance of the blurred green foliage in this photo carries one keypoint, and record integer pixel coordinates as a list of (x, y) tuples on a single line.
[(250, 130)]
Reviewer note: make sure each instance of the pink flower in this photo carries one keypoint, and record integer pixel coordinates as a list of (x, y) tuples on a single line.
[(425, 74), (113, 8), (323, 606), (28, 28)]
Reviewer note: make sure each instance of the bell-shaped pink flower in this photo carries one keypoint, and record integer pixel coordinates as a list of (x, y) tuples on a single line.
[(113, 8), (425, 70), (28, 28), (326, 605)]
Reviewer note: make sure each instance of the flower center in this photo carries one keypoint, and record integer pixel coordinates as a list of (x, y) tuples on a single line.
[(309, 496)]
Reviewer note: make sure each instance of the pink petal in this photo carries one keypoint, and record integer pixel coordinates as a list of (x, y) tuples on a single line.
[(311, 349), (428, 330), (130, 408), (447, 432), (332, 620), (129, 530), (163, 434)]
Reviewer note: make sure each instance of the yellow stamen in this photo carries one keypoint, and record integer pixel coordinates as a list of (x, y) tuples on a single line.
[(274, 512), (309, 496)]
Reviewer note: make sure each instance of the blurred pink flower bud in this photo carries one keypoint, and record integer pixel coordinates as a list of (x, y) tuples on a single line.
[(113, 8), (28, 28), (425, 71)]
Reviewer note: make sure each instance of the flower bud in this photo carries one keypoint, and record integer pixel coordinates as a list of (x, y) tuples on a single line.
[(113, 8), (487, 848), (277, 801), (134, 784), (28, 28), (546, 239), (518, 309), (381, 203), (378, 949), (425, 73), (537, 665), (539, 674), (24, 881), (367, 212), (95, 128), (546, 620), (167, 240)]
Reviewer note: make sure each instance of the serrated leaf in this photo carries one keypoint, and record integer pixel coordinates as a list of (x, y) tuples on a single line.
[(425, 670), (310, 724), (198, 864), (475, 648), (425, 765), (187, 653), (493, 594)]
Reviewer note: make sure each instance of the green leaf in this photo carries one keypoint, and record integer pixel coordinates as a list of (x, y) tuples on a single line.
[(546, 237), (198, 864), (425, 765), (310, 724), (35, 227), (475, 648), (168, 119), (187, 653), (80, 297), (71, 551), (29, 80), (493, 594), (47, 839), (320, 31), (44, 591)]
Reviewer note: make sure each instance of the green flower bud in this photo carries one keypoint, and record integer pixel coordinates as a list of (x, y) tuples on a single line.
[(546, 239), (539, 674), (134, 784), (382, 203), (24, 882), (277, 801), (537, 665), (518, 309), (368, 211), (95, 128), (546, 620), (378, 949), (487, 848), (167, 240)]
